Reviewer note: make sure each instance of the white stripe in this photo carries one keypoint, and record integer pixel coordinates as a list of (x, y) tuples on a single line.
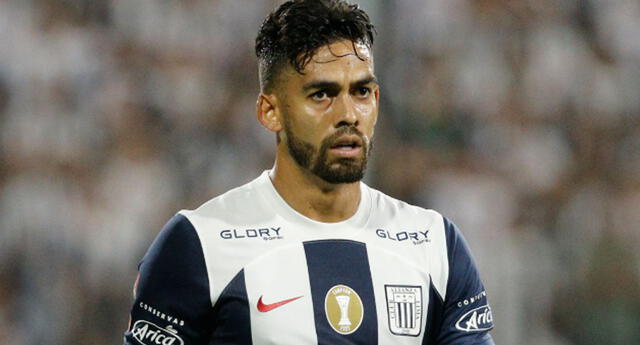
[(413, 315), (388, 268), (280, 275), (406, 315)]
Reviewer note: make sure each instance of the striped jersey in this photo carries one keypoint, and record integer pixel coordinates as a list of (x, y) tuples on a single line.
[(246, 268)]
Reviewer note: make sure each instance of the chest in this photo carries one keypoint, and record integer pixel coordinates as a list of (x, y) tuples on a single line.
[(332, 292)]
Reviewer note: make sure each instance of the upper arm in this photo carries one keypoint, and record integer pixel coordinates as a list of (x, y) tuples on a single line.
[(467, 315), (171, 294)]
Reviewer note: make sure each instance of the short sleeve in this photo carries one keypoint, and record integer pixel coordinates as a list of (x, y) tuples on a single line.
[(467, 317), (171, 294)]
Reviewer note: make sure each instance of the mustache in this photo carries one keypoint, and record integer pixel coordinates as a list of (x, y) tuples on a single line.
[(328, 142), (350, 130)]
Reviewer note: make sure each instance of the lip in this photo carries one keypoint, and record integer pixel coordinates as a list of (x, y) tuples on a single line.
[(347, 152), (353, 150), (348, 139)]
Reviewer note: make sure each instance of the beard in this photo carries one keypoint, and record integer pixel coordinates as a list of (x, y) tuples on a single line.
[(317, 161)]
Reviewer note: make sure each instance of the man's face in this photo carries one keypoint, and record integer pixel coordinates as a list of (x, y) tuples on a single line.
[(329, 112)]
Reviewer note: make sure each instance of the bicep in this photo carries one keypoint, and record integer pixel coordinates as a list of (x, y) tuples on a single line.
[(171, 294), (467, 316), (488, 340)]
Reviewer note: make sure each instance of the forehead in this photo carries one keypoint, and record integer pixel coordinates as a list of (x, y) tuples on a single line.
[(341, 49), (339, 60)]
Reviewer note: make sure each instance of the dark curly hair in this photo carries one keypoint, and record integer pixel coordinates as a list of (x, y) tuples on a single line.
[(293, 33)]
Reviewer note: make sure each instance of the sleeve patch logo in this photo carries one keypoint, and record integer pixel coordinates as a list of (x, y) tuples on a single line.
[(476, 320), (472, 300), (147, 333), (404, 308)]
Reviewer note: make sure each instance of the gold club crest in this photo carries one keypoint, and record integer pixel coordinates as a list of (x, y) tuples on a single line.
[(344, 309)]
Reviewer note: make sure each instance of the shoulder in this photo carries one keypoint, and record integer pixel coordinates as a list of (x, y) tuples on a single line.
[(236, 206), (388, 207)]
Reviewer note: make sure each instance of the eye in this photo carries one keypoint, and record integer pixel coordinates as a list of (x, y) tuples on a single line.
[(319, 96), (363, 92)]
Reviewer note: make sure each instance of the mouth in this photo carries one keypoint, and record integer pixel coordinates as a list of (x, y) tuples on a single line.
[(347, 146)]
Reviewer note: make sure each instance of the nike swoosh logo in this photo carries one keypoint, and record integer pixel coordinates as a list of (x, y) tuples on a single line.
[(263, 308)]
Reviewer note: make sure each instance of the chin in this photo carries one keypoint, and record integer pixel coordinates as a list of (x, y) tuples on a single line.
[(341, 172)]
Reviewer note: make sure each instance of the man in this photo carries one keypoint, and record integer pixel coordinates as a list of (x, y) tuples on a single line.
[(306, 253)]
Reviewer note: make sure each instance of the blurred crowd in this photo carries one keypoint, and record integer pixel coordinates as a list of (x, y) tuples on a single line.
[(519, 120)]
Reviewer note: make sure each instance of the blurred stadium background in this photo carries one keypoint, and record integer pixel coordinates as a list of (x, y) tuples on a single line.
[(518, 119)]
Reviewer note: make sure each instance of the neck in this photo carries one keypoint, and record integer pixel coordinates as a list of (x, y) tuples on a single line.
[(313, 197)]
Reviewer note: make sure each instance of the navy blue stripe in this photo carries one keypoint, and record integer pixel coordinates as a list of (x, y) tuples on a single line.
[(435, 316), (173, 285), (464, 282), (232, 319), (341, 262)]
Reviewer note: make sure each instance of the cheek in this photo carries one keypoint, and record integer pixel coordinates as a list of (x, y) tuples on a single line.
[(315, 119), (368, 115), (305, 123), (311, 112)]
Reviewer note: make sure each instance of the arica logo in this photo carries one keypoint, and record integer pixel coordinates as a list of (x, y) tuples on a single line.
[(476, 320), (148, 333)]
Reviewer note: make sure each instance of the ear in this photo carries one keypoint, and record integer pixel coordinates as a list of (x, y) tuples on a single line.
[(266, 111), (376, 94)]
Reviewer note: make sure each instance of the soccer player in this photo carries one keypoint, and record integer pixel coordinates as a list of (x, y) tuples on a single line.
[(306, 253)]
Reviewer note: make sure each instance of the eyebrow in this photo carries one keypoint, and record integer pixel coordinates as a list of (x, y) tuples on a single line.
[(326, 84)]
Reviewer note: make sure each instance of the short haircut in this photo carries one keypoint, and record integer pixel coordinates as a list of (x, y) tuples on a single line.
[(292, 34)]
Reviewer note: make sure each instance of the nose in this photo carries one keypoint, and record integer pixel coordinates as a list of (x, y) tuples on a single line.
[(346, 112)]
